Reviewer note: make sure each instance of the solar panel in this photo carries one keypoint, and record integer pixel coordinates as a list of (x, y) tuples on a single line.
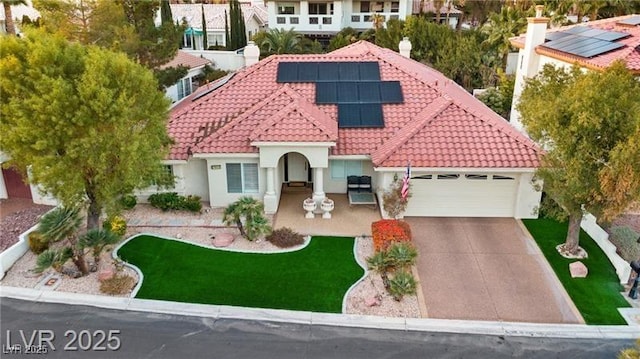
[(577, 29), (287, 72), (601, 50), (347, 92), (580, 44), (557, 44), (349, 71), (369, 92), (592, 32), (326, 92), (556, 35), (328, 71), (391, 92), (612, 36), (307, 71), (359, 115), (369, 71), (634, 20)]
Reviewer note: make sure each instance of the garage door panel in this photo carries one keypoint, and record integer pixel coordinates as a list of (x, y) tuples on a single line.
[(462, 197)]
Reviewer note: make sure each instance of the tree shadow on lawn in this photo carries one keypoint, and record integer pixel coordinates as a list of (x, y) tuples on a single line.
[(314, 278)]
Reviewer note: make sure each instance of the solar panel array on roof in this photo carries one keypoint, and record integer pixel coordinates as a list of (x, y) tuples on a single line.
[(633, 21), (358, 115), (327, 71), (354, 86), (584, 41)]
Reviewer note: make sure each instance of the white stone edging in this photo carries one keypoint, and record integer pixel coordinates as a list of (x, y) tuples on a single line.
[(601, 237), (10, 255), (364, 276)]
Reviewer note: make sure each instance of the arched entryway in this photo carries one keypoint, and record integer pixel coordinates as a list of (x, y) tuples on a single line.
[(296, 169)]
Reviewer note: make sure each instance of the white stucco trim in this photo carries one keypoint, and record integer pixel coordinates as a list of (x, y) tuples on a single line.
[(455, 169), (293, 144), (175, 162), (225, 155), (350, 157)]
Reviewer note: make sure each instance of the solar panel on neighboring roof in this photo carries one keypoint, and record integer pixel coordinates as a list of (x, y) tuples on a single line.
[(577, 29), (634, 20), (585, 41), (349, 71), (369, 92), (328, 71), (555, 35), (307, 71), (326, 93), (612, 36), (601, 50), (347, 92)]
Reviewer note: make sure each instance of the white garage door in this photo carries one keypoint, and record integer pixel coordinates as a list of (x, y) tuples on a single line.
[(462, 195)]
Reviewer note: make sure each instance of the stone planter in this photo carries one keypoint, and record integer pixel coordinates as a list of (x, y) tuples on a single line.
[(309, 205), (327, 206)]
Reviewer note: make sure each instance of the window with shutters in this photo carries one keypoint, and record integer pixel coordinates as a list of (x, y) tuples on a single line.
[(242, 178)]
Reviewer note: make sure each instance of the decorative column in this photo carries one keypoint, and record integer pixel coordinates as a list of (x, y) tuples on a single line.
[(318, 189), (270, 198)]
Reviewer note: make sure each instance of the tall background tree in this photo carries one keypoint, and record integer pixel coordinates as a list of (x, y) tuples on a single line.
[(237, 33), (589, 125), (9, 25), (205, 45), (90, 122), (509, 22)]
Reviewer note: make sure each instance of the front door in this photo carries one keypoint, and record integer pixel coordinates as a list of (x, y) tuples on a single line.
[(298, 167), (16, 188)]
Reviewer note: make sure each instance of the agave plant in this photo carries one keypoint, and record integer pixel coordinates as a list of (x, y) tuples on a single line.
[(97, 239), (401, 284), (402, 254), (53, 258)]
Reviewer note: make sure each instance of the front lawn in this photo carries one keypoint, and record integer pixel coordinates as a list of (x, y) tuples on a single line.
[(597, 296), (315, 278)]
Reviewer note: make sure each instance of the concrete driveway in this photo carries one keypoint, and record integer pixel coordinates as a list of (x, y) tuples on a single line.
[(486, 269)]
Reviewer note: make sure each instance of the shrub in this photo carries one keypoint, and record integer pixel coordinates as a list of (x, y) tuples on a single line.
[(402, 254), (247, 214), (626, 240), (387, 231), (402, 284), (119, 284), (392, 201), (116, 224), (285, 237), (171, 200), (128, 201), (37, 243), (53, 258)]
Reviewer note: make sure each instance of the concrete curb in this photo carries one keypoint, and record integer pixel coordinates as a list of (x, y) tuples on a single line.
[(341, 320)]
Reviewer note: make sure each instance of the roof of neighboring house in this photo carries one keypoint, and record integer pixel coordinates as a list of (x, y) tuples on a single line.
[(214, 14), (630, 52), (187, 60), (439, 124), (429, 7)]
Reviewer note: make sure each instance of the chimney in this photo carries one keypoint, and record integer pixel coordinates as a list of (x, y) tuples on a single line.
[(405, 47), (251, 54), (528, 60)]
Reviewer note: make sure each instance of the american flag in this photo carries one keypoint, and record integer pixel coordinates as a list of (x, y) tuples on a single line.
[(405, 182)]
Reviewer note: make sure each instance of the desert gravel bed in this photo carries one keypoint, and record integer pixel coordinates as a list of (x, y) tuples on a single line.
[(18, 222), (369, 288)]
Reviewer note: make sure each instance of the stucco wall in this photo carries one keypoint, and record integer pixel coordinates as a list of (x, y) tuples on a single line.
[(528, 197), (339, 185), (217, 172)]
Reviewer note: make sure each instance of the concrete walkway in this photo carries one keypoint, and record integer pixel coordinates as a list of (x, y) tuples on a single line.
[(487, 269)]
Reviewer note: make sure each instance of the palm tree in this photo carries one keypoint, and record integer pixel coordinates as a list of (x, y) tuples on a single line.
[(97, 240), (63, 223), (8, 16), (509, 22), (281, 41), (378, 21), (246, 214)]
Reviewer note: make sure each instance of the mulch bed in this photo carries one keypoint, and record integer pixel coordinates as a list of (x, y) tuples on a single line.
[(18, 222)]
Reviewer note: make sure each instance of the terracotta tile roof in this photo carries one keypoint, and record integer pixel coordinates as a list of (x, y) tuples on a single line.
[(630, 53), (184, 59), (438, 125)]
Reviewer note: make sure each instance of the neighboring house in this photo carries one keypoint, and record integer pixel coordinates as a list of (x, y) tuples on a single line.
[(448, 13), (186, 85), (592, 46), (17, 13), (359, 110), (329, 17), (13, 186), (255, 18)]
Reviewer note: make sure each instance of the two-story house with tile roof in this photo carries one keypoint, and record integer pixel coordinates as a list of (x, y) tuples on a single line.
[(360, 111)]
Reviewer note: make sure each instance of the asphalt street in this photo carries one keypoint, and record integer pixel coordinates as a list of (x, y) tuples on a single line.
[(88, 332)]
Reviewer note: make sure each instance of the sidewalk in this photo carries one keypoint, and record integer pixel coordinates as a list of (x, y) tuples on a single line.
[(342, 320)]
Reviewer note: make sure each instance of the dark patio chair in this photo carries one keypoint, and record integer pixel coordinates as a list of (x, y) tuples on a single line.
[(353, 183), (365, 184)]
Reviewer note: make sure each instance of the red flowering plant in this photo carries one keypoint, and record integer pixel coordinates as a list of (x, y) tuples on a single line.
[(387, 231)]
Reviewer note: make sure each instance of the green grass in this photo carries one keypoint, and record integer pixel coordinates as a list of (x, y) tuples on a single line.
[(315, 278), (597, 296)]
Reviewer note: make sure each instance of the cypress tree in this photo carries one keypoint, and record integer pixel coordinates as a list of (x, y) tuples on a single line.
[(165, 12), (204, 30), (227, 36)]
